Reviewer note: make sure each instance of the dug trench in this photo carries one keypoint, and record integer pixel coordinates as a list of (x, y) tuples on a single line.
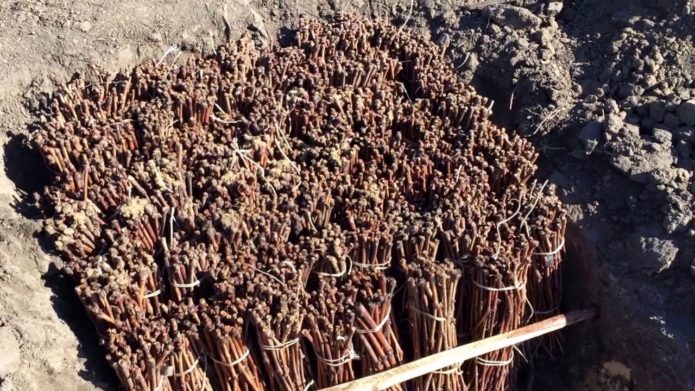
[(577, 250)]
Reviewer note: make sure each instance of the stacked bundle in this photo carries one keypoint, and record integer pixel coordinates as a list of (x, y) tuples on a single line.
[(242, 221)]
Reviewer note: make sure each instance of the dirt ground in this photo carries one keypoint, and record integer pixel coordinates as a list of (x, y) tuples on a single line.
[(605, 89)]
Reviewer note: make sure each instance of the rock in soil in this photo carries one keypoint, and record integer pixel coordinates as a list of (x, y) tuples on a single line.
[(511, 16)]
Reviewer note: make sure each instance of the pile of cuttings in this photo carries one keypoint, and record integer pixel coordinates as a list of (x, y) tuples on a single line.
[(291, 218)]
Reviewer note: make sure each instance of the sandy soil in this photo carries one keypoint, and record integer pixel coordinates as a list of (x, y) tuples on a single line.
[(605, 89)]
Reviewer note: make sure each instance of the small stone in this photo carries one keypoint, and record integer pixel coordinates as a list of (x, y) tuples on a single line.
[(657, 110), (155, 36), (449, 18), (589, 136), (621, 163), (632, 101), (662, 136), (684, 94), (650, 81), (686, 112), (543, 37), (519, 58), (651, 147), (674, 101), (511, 16), (84, 26), (626, 17), (522, 43), (658, 58), (613, 123), (661, 176), (637, 157), (683, 176), (671, 120), (635, 63), (444, 40), (473, 62), (676, 220), (554, 8), (649, 252), (645, 24), (626, 90)]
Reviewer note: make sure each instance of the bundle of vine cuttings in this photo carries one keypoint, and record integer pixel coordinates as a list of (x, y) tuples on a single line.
[(292, 218)]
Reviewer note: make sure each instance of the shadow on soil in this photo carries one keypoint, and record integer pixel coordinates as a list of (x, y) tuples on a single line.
[(24, 167), (69, 308)]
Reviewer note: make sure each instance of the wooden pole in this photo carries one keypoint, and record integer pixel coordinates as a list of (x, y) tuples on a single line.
[(458, 355)]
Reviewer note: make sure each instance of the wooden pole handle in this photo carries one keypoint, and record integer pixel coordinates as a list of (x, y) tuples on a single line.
[(454, 356)]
